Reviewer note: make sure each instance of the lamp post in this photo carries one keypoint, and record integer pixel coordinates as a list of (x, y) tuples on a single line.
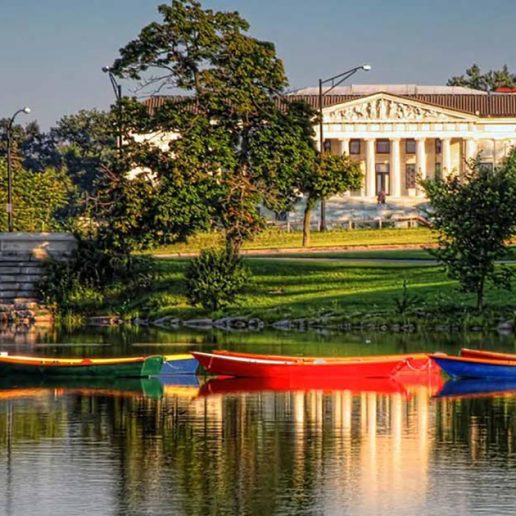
[(117, 88), (336, 80), (25, 110)]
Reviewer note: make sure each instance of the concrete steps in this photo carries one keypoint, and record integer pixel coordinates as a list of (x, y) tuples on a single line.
[(19, 276)]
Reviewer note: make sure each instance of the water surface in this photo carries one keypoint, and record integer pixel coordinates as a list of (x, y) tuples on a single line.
[(372, 447)]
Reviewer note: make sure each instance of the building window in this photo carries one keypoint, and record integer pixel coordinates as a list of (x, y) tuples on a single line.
[(410, 146), (410, 175), (486, 165), (382, 178), (438, 146), (327, 145), (383, 146), (354, 147), (281, 216)]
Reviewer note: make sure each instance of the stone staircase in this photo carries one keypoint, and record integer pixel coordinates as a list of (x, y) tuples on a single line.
[(22, 265)]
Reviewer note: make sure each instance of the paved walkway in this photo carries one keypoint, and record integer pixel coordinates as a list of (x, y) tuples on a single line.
[(313, 250), (386, 261)]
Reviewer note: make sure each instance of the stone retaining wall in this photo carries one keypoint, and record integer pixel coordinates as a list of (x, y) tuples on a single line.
[(22, 262)]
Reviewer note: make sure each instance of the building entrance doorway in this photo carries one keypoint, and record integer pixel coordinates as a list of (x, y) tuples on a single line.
[(382, 178)]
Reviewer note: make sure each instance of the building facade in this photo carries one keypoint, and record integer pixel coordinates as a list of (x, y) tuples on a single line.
[(401, 132)]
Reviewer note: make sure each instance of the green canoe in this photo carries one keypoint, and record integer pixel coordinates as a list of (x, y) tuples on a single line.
[(128, 367)]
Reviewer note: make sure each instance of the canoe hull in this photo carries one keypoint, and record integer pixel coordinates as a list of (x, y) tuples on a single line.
[(140, 367), (237, 366), (414, 363), (458, 367)]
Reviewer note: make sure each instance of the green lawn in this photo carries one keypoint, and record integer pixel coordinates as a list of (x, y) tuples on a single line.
[(277, 239), (311, 288)]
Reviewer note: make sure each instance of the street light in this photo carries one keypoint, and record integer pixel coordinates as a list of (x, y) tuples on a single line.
[(117, 88), (336, 80), (25, 110)]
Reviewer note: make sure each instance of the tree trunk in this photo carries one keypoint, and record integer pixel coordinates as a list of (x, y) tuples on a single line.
[(233, 244), (480, 297), (307, 217)]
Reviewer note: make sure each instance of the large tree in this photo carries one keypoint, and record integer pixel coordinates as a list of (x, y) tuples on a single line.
[(241, 143), (475, 216), (488, 81)]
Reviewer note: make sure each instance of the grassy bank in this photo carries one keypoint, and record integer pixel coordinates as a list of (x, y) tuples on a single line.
[(297, 288), (277, 239)]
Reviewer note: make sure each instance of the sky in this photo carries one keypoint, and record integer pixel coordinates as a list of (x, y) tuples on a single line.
[(52, 51)]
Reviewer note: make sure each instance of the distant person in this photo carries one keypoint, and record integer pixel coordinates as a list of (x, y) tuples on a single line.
[(381, 197)]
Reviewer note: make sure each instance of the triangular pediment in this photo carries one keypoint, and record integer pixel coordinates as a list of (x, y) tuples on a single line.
[(385, 107)]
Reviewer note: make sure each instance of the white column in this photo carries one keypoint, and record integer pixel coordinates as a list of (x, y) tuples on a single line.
[(370, 167), (421, 157), (446, 150), (420, 161), (395, 171), (344, 146), (471, 148)]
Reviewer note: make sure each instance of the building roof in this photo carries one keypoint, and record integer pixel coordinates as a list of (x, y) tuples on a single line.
[(485, 106), (465, 100), (394, 89)]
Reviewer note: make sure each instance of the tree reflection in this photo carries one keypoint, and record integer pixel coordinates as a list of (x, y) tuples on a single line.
[(264, 452)]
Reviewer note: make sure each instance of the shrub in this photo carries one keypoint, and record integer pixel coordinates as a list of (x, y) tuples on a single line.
[(87, 281), (62, 290), (215, 278)]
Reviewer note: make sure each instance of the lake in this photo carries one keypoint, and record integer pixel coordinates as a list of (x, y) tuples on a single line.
[(148, 447)]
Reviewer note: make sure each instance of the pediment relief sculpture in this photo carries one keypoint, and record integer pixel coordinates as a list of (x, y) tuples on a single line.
[(386, 110)]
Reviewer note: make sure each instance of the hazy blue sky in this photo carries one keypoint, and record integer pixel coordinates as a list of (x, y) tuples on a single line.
[(51, 51)]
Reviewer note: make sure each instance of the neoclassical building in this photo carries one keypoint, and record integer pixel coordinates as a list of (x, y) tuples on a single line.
[(400, 132)]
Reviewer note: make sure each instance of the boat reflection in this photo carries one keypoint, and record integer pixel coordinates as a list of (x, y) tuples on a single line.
[(477, 388), (223, 385), (29, 387), (400, 385), (180, 386)]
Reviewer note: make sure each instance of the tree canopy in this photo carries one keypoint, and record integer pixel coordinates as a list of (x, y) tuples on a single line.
[(330, 175), (475, 216), (488, 81), (40, 198)]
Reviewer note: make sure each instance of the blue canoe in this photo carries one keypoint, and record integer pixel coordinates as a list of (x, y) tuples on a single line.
[(462, 367), (179, 364)]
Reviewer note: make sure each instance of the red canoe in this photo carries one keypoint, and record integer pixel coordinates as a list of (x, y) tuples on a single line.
[(414, 364), (489, 355), (265, 366)]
